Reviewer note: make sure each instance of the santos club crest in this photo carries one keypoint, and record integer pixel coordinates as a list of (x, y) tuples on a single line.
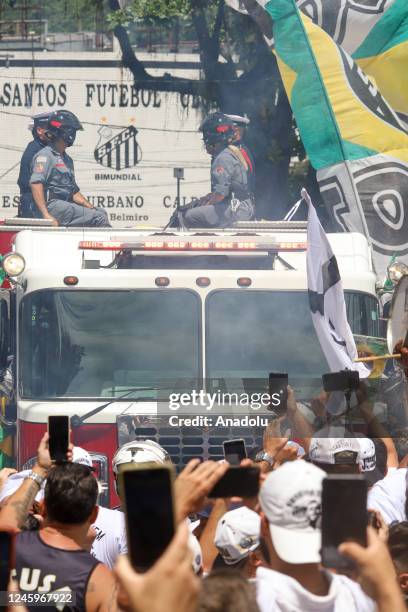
[(120, 151)]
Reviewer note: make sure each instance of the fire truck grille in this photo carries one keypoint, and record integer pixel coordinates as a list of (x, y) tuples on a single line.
[(185, 443)]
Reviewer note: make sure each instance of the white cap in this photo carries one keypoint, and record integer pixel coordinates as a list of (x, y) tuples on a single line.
[(324, 450), (13, 482), (237, 534), (139, 451), (367, 455), (291, 498), (81, 456), (368, 461), (195, 548)]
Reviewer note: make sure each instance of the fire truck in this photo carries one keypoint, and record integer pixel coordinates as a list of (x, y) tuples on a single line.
[(101, 324)]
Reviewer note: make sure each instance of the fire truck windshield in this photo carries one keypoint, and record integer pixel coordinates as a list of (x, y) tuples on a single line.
[(251, 333), (100, 343)]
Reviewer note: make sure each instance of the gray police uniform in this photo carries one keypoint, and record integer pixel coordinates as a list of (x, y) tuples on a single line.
[(56, 172), (229, 178)]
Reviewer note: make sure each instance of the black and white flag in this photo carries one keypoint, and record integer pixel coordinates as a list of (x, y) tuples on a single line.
[(326, 298)]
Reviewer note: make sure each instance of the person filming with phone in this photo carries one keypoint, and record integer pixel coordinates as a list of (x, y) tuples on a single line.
[(55, 558), (291, 503)]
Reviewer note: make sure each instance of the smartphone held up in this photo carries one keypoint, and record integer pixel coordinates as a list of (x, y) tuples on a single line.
[(58, 443), (235, 451), (345, 381), (278, 393), (344, 517), (147, 494), (237, 482)]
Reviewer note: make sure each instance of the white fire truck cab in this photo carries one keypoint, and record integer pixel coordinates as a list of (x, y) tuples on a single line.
[(101, 324)]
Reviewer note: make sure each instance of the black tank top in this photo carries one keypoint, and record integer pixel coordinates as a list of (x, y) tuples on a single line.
[(41, 568)]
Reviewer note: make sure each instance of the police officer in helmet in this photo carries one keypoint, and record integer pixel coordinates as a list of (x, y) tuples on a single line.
[(54, 189), (27, 207), (231, 198), (240, 124)]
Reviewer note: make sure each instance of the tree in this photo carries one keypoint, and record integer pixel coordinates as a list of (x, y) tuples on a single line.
[(240, 76), (62, 16)]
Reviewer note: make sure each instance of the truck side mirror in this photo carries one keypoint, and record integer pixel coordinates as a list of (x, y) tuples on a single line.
[(4, 330)]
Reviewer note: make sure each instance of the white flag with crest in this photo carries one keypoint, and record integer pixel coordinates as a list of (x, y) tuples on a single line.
[(326, 298)]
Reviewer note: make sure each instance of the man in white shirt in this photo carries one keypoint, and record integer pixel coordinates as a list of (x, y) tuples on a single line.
[(109, 527), (389, 496), (110, 540), (290, 528)]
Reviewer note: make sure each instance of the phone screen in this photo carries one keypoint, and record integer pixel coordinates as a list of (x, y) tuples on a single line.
[(234, 451), (278, 392), (58, 429), (237, 482), (148, 499), (344, 516), (6, 541)]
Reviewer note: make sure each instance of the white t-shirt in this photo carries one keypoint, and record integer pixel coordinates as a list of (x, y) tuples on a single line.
[(110, 541), (277, 592), (388, 496)]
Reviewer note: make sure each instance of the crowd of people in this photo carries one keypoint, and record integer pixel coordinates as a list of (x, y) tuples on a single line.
[(260, 553)]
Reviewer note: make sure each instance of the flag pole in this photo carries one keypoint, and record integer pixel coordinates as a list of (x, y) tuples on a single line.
[(377, 358)]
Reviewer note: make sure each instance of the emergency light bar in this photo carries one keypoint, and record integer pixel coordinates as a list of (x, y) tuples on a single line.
[(189, 245)]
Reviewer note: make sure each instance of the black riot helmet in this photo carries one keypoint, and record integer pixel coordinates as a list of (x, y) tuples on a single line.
[(217, 128), (63, 124)]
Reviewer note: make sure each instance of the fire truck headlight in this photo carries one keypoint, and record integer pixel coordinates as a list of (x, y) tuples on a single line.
[(13, 264), (396, 271)]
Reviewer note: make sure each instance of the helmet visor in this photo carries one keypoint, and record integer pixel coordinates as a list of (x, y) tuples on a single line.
[(68, 135)]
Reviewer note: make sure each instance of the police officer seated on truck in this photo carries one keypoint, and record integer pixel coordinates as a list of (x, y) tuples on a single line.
[(27, 207), (240, 124), (52, 181), (231, 198)]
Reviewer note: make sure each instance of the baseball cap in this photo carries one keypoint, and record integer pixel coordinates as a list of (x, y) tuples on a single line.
[(326, 450), (80, 455), (195, 548), (237, 534), (291, 501), (39, 120), (368, 461)]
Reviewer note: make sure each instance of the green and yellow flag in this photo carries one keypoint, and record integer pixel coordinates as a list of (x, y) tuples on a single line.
[(353, 137), (344, 65), (375, 34)]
